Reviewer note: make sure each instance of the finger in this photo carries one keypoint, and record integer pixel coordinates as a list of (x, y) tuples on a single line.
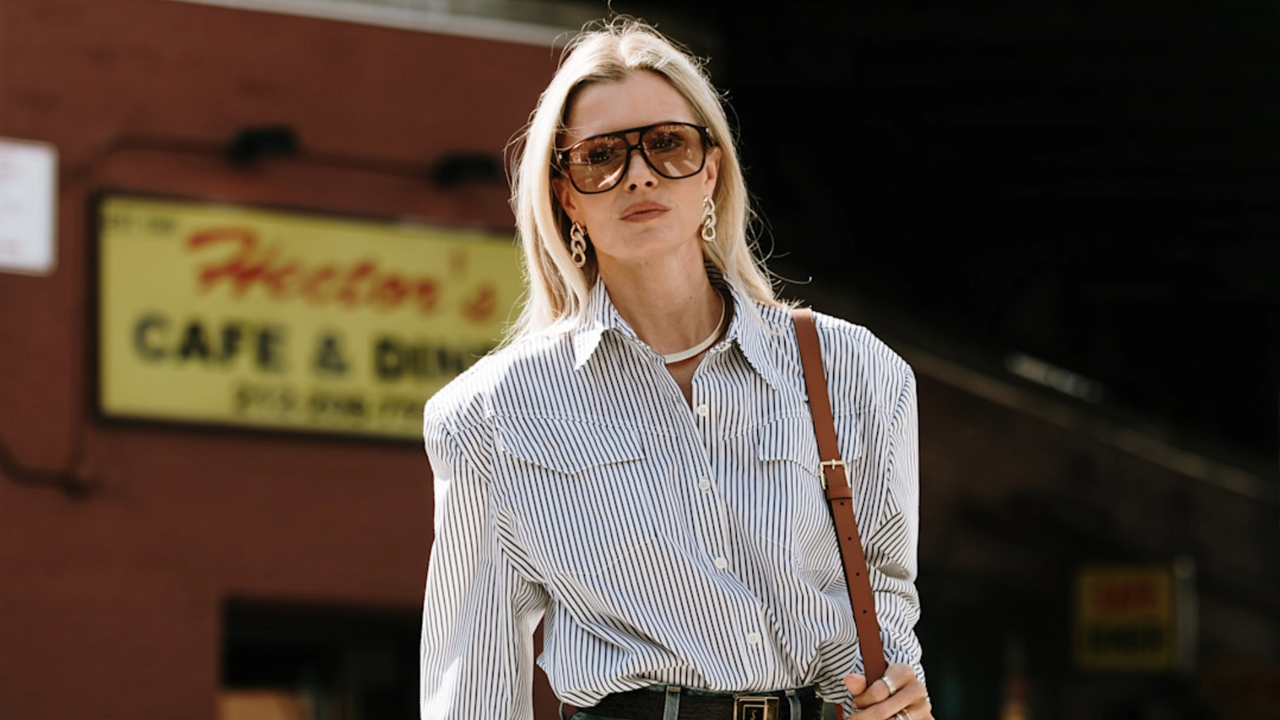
[(883, 710), (909, 703), (921, 709), (898, 676), (901, 674), (876, 692), (855, 683), (880, 703)]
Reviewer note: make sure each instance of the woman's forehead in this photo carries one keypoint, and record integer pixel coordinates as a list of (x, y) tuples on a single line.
[(642, 98)]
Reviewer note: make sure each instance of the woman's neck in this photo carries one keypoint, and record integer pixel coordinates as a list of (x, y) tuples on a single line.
[(671, 306)]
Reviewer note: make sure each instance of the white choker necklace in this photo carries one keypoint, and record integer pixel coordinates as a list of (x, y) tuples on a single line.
[(711, 339)]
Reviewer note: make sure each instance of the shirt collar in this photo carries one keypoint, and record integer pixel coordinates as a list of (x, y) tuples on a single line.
[(763, 334), (754, 329), (601, 316)]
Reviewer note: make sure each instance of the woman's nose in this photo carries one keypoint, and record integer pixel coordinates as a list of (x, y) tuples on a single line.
[(639, 172)]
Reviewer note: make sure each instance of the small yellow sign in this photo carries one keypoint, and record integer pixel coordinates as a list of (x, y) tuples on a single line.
[(1126, 618), (228, 315)]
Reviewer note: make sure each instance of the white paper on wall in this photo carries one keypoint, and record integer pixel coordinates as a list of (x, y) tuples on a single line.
[(28, 207)]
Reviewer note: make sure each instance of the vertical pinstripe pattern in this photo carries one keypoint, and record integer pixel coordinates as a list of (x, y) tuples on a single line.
[(663, 544)]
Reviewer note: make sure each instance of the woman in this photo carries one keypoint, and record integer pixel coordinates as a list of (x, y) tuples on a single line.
[(637, 465)]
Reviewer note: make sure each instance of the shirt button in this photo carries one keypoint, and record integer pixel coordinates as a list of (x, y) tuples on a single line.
[(703, 410), (721, 563), (753, 638), (704, 485)]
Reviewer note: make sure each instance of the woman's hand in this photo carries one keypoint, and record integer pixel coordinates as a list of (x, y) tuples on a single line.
[(901, 695)]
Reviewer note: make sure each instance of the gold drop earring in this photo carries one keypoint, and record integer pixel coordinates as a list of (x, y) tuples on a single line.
[(578, 244)]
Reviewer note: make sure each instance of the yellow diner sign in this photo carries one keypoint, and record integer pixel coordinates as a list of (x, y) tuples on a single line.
[(228, 315), (1131, 618)]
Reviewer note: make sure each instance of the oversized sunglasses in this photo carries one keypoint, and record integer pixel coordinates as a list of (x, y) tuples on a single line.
[(674, 150)]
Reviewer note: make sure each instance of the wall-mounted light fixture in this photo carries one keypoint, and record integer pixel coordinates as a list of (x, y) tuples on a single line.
[(464, 168), (252, 143)]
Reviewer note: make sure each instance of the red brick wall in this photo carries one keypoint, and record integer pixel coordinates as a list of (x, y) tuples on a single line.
[(110, 602)]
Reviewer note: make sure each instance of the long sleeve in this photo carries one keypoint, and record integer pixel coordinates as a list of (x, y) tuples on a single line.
[(892, 549), (479, 612), (890, 543)]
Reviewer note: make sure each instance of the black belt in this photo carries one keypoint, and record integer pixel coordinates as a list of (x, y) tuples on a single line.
[(651, 704)]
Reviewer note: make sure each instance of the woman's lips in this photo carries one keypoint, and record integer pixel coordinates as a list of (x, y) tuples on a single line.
[(641, 212)]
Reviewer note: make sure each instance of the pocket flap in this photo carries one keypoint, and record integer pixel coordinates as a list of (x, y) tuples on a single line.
[(567, 445), (792, 439)]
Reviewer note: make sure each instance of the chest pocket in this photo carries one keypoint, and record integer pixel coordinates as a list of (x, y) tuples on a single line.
[(789, 450), (792, 440), (579, 491)]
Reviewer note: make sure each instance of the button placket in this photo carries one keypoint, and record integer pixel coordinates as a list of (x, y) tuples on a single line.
[(702, 412), (709, 521)]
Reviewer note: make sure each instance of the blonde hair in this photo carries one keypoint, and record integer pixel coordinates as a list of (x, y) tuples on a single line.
[(557, 290)]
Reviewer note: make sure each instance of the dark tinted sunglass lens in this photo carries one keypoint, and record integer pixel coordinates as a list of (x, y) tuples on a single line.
[(596, 164), (675, 151)]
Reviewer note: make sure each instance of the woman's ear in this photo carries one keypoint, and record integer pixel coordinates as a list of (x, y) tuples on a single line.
[(712, 171), (565, 195)]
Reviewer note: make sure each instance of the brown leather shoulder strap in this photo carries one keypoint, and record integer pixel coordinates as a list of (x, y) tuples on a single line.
[(840, 496)]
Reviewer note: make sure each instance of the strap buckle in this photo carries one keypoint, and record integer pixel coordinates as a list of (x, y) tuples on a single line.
[(755, 707), (832, 463)]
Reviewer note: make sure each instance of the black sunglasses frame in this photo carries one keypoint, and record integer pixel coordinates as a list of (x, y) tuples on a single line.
[(703, 132)]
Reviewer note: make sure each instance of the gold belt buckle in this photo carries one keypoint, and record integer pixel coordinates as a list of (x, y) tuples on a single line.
[(755, 707)]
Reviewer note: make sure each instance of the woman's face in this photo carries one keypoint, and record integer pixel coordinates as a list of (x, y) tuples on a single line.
[(646, 216)]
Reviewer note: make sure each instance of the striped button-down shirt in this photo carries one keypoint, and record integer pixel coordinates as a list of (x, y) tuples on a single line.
[(662, 543)]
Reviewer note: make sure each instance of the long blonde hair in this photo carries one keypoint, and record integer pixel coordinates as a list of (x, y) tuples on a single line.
[(557, 290)]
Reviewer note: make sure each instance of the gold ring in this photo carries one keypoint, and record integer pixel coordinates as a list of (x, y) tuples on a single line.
[(889, 684)]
